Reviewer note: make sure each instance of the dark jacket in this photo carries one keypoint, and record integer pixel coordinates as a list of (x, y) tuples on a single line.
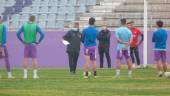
[(74, 38), (104, 38)]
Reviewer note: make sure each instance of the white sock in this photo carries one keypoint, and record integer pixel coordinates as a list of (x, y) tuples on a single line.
[(9, 74), (117, 72), (160, 72), (35, 73), (130, 72), (25, 73)]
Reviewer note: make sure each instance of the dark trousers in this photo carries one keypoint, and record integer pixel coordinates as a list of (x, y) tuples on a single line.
[(105, 51), (73, 58), (134, 53)]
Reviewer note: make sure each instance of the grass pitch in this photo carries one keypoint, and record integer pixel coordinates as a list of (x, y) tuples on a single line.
[(58, 82)]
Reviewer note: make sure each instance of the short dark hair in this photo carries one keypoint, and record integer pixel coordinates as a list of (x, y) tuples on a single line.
[(91, 21), (130, 22), (123, 21), (159, 23), (32, 18)]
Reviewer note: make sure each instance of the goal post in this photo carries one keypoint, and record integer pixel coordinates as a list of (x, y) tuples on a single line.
[(145, 31)]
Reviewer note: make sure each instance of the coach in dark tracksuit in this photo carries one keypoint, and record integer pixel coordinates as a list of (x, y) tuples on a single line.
[(104, 46), (73, 36)]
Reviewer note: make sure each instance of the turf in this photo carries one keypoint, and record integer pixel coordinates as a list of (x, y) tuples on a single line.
[(58, 82)]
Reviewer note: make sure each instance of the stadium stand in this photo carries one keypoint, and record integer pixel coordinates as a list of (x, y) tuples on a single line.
[(111, 11), (56, 13)]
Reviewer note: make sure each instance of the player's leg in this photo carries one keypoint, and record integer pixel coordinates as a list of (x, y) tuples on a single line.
[(157, 57), (94, 68), (25, 67), (118, 62), (101, 55), (33, 55), (164, 66), (137, 57), (35, 68), (129, 62), (2, 54), (70, 56), (26, 61), (86, 66), (164, 61), (8, 67), (159, 68), (87, 62), (76, 56), (118, 67), (108, 57), (93, 60), (132, 56)]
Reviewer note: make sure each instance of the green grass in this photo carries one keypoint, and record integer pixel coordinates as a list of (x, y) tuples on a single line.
[(58, 82)]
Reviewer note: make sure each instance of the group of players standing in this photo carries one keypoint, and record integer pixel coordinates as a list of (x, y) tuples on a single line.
[(127, 46), (29, 40)]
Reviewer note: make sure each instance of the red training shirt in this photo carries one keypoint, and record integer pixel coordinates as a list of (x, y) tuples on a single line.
[(135, 33)]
